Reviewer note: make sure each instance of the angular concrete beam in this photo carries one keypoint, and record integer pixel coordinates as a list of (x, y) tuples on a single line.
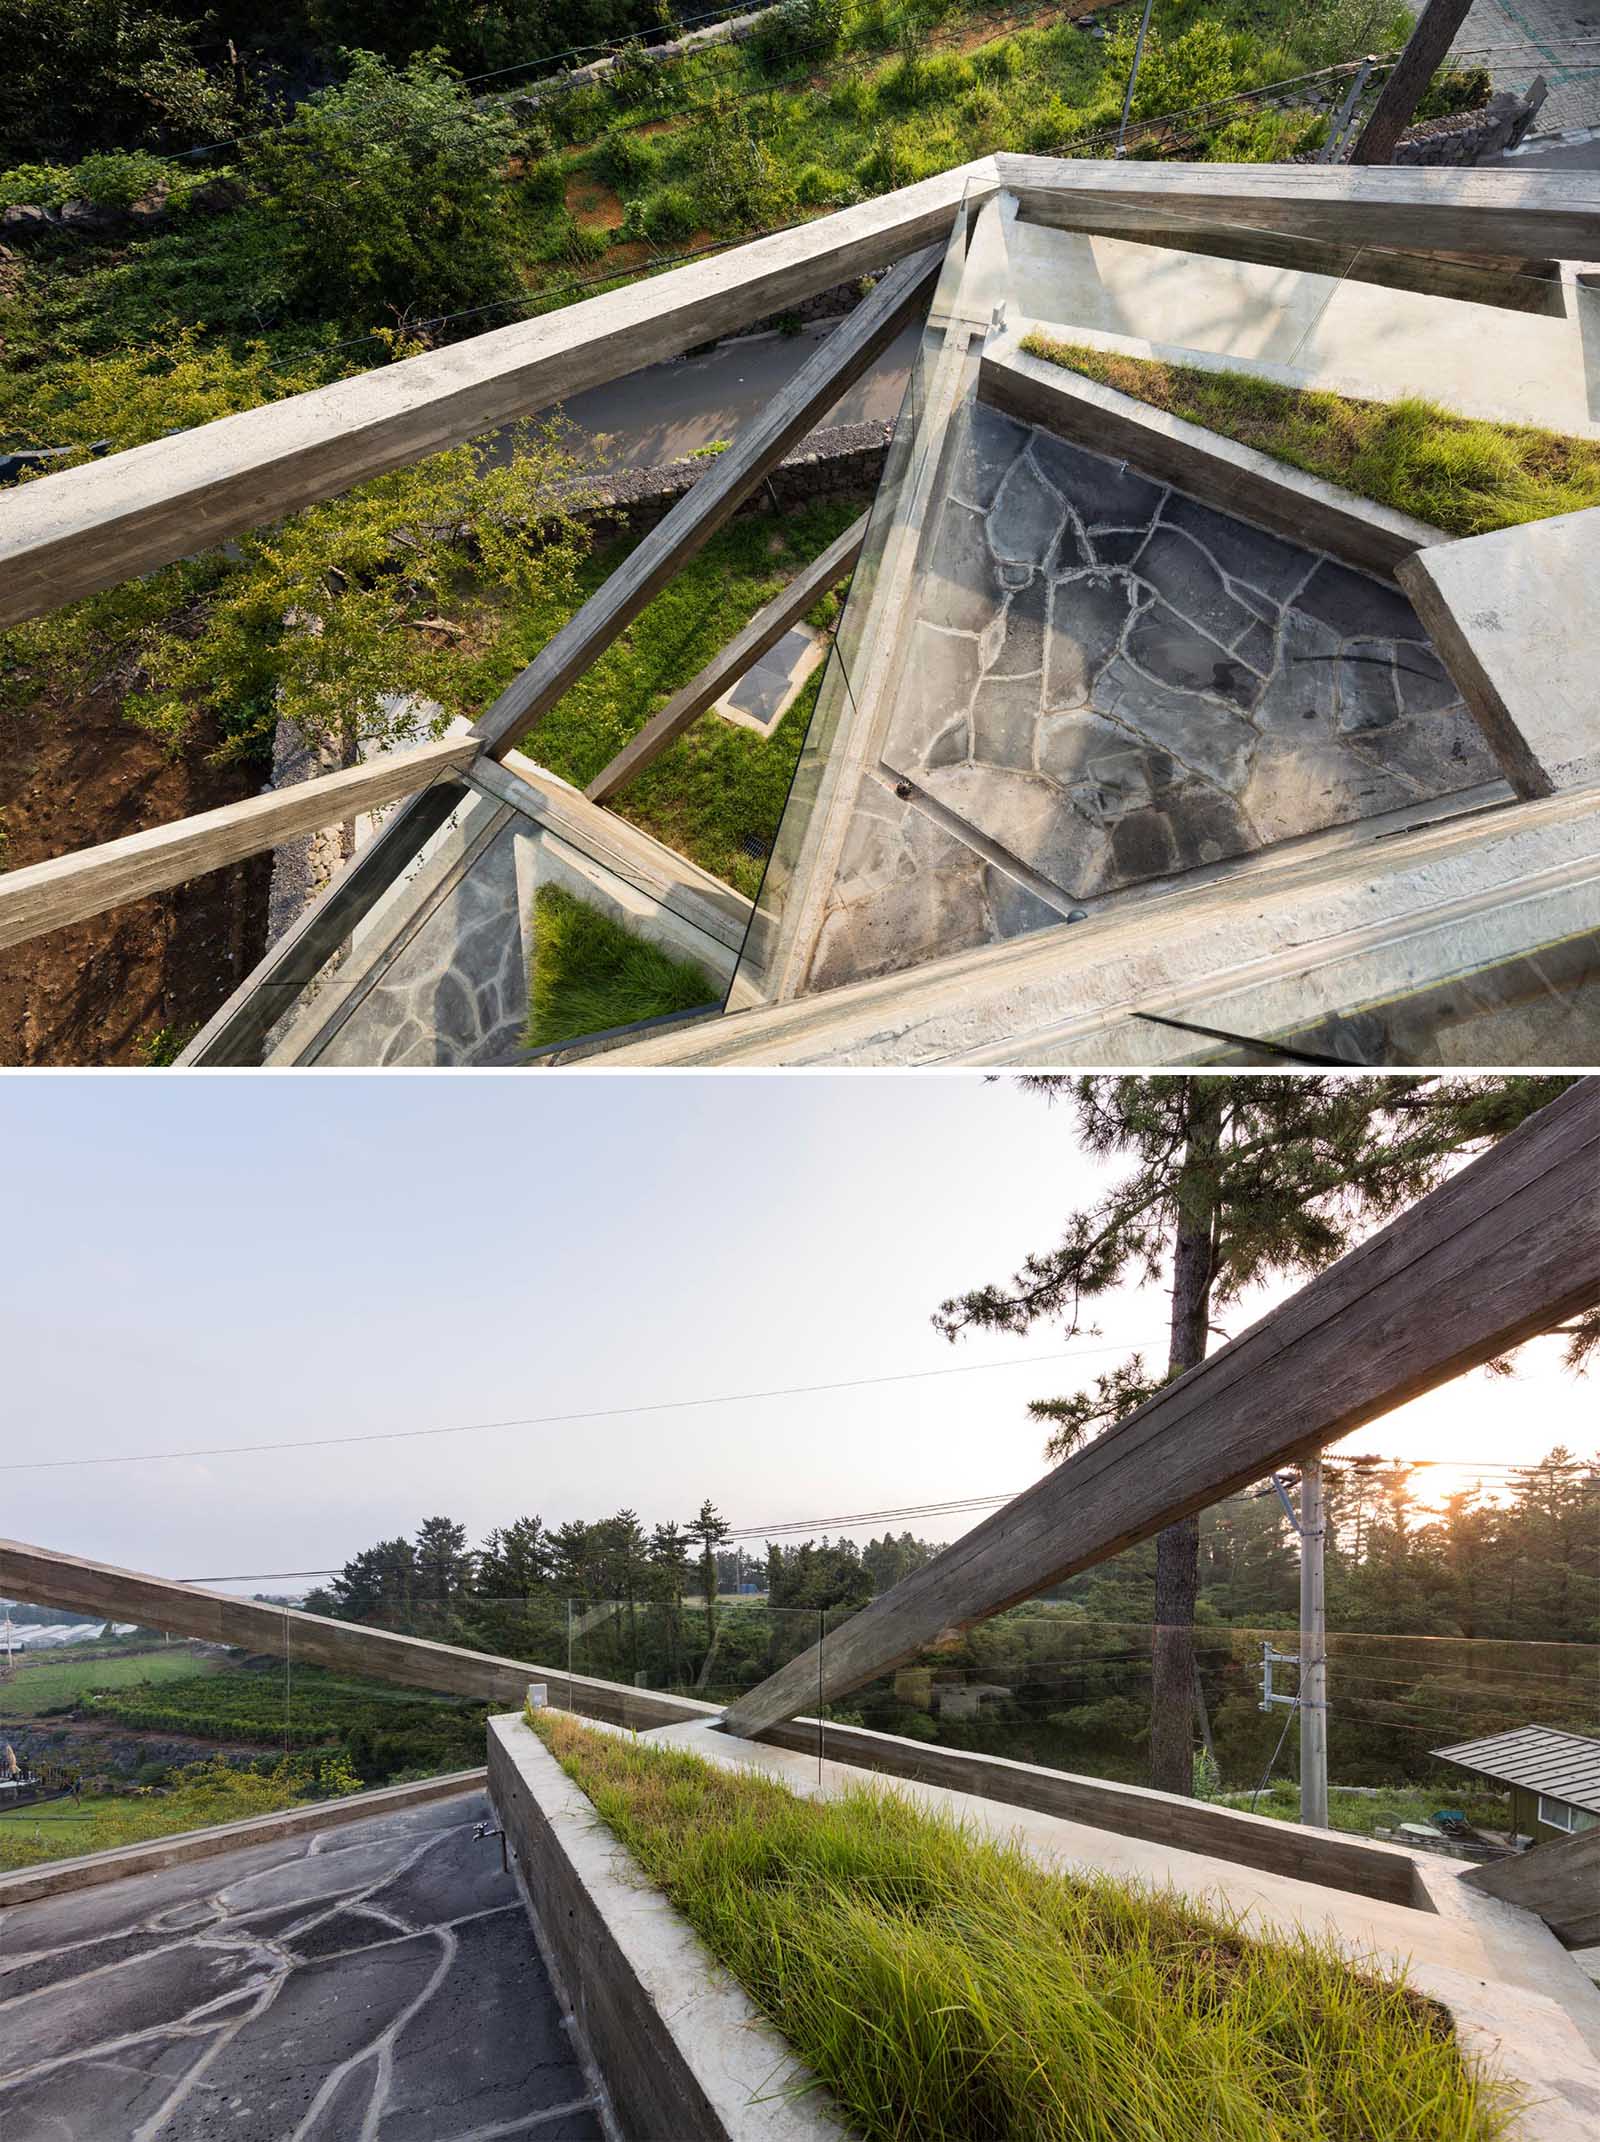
[(68, 888), (839, 361), (1542, 216), (729, 664), (1559, 1882), (1505, 1249), (1511, 615), (1207, 465), (43, 1577), (66, 535)]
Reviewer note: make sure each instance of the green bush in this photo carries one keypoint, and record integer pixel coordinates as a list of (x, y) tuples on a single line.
[(563, 238), (797, 32), (35, 186), (577, 115), (815, 186), (664, 217), (625, 160), (389, 196), (997, 63), (634, 79), (1452, 90), (544, 183), (117, 178)]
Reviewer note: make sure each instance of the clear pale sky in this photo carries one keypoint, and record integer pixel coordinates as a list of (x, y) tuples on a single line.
[(238, 1259)]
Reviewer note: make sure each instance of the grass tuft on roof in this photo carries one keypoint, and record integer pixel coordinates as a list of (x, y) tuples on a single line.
[(1462, 474), (949, 1988), (590, 973)]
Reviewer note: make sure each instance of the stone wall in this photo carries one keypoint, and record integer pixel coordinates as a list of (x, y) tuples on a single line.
[(1466, 137), (842, 460)]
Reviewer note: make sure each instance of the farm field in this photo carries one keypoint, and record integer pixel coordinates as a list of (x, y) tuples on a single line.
[(61, 1681)]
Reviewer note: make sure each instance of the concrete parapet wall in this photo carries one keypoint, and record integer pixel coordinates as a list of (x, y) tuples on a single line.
[(1215, 470), (682, 2051)]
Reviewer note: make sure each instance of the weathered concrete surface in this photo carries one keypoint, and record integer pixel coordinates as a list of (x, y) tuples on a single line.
[(686, 2056), (380, 1981), (1517, 1997), (1512, 613), (1107, 683)]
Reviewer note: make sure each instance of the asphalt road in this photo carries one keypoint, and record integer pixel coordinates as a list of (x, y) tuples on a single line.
[(665, 411)]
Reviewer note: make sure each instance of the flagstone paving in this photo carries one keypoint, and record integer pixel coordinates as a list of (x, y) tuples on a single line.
[(1109, 683), (378, 1981)]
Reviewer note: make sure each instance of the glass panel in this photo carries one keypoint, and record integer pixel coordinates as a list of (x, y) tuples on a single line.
[(1540, 1006), (111, 1734), (712, 1651), (1066, 1689)]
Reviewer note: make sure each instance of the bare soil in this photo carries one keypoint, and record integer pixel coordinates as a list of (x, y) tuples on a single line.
[(123, 987)]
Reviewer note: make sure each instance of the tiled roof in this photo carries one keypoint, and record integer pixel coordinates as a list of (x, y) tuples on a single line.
[(1564, 1766)]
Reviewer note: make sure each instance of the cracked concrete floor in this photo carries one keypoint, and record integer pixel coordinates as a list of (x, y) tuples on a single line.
[(373, 1983)]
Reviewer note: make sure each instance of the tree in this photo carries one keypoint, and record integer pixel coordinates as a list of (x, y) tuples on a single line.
[(1234, 1181), (443, 1566), (389, 194), (710, 1528)]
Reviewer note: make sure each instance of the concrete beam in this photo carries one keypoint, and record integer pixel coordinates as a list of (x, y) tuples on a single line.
[(1204, 464), (1503, 1250), (730, 663), (44, 1577), (1558, 1882), (68, 888), (1510, 614), (1538, 216), (66, 535)]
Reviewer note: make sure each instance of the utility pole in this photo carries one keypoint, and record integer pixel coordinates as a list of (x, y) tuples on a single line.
[(1133, 76), (1313, 1650)]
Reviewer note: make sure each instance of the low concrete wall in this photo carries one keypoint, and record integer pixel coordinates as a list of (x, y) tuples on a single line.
[(1386, 1872), (684, 2054), (1216, 471), (90, 1869)]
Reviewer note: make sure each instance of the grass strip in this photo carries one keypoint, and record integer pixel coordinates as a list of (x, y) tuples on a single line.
[(590, 973), (1462, 474), (947, 1987)]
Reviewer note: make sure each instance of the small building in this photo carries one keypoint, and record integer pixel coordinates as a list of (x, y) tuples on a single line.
[(1553, 1777)]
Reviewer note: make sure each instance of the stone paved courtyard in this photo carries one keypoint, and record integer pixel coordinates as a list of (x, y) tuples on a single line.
[(1109, 683), (373, 1983)]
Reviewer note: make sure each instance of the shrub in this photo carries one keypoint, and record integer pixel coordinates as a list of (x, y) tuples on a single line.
[(981, 113), (634, 79), (816, 185), (35, 186), (1452, 90), (117, 178), (664, 217), (563, 238), (388, 192), (625, 160), (577, 115), (797, 33), (740, 183), (545, 183), (996, 63)]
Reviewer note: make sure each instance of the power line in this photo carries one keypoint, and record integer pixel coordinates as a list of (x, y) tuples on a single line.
[(550, 1420)]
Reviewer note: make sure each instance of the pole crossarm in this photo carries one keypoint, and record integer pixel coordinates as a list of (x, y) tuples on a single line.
[(849, 351), (727, 666), (1505, 1249), (70, 888)]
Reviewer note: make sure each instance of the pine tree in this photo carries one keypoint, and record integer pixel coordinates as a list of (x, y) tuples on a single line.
[(1234, 1181)]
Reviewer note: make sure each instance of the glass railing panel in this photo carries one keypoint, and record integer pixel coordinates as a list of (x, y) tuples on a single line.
[(112, 1734), (709, 1650)]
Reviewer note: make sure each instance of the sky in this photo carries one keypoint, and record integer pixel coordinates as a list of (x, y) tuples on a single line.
[(229, 1260)]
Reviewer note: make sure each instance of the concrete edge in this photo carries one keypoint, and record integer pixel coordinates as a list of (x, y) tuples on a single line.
[(28, 1885), (1337, 1860), (1216, 471), (683, 2052)]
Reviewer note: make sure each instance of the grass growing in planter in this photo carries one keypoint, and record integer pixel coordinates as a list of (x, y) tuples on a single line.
[(590, 973), (949, 1988), (1463, 474)]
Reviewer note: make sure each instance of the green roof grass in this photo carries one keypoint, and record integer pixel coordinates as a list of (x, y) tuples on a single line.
[(948, 1988), (1461, 474), (590, 973)]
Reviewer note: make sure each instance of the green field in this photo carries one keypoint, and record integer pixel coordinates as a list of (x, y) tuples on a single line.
[(60, 1682)]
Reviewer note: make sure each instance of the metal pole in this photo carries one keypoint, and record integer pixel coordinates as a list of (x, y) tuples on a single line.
[(1313, 1651), (1133, 74), (1329, 153)]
